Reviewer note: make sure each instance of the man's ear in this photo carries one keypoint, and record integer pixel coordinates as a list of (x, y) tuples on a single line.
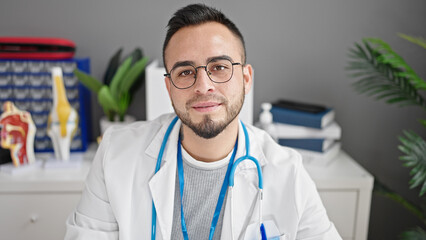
[(247, 77), (167, 82)]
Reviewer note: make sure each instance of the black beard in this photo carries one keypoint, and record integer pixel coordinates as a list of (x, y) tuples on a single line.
[(207, 128)]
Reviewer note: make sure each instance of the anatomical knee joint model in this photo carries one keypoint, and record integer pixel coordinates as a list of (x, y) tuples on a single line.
[(63, 119), (17, 134)]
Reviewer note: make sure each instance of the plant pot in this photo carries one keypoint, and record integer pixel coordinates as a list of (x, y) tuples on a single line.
[(105, 123)]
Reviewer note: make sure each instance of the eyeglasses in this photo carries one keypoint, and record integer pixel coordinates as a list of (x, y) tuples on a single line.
[(218, 70)]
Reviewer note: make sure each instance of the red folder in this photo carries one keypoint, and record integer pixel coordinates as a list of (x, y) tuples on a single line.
[(36, 48)]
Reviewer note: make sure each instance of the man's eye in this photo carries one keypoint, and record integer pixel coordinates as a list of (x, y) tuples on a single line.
[(219, 68), (186, 73)]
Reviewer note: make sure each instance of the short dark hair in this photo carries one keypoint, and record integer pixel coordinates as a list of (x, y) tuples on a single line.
[(196, 14)]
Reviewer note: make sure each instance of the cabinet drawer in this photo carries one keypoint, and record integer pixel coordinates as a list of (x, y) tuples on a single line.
[(341, 208), (35, 216)]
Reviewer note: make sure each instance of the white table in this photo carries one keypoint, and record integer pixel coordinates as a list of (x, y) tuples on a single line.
[(34, 205)]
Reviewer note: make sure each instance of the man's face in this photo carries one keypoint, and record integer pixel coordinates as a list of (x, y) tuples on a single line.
[(207, 107)]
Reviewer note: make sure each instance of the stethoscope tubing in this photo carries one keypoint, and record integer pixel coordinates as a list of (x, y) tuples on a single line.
[(247, 156), (231, 178), (260, 183), (157, 167)]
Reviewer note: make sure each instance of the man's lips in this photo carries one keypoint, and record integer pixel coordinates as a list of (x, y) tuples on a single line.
[(206, 106)]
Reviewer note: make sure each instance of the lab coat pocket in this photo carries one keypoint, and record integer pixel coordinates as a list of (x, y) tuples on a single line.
[(272, 232)]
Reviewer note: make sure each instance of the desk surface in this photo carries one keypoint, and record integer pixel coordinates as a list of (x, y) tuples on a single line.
[(49, 180), (343, 172)]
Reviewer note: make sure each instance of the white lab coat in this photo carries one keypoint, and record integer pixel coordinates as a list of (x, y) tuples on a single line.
[(117, 200)]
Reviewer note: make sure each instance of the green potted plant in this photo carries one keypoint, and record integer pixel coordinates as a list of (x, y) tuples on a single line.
[(382, 73), (121, 79)]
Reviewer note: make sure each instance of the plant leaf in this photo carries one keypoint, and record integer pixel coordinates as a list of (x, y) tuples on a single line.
[(88, 81), (107, 101), (388, 56), (381, 189), (136, 55), (132, 75), (118, 77), (416, 40), (414, 234), (383, 74), (423, 122), (414, 148), (123, 104), (112, 66), (128, 81)]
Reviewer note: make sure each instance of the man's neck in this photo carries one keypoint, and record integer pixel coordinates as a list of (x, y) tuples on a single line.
[(210, 150)]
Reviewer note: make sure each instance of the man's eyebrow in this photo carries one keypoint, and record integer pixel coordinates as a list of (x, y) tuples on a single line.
[(221, 57), (192, 63), (183, 63)]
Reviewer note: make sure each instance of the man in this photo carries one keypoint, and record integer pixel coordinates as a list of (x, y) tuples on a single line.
[(207, 78)]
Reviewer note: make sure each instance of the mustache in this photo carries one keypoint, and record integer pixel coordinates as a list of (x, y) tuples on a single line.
[(206, 98)]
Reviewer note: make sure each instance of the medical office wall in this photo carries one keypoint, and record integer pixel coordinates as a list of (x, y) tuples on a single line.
[(298, 50)]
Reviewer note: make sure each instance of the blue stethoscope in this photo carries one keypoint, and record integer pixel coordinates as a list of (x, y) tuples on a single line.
[(228, 182)]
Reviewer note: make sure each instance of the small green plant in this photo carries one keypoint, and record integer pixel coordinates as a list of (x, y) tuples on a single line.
[(382, 73), (120, 81)]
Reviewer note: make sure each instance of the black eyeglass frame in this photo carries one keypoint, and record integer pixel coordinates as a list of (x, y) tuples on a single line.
[(205, 68)]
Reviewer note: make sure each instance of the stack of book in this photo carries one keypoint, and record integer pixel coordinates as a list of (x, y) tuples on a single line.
[(310, 129)]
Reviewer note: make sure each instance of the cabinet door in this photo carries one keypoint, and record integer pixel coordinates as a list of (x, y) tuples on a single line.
[(35, 216), (341, 208)]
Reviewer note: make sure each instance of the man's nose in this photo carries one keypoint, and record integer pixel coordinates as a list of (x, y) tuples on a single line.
[(203, 84)]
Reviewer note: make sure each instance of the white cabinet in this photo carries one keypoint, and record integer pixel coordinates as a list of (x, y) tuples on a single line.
[(35, 215), (345, 189), (35, 205)]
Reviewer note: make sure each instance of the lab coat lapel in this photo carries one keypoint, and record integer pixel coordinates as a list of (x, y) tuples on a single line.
[(162, 184), (245, 192)]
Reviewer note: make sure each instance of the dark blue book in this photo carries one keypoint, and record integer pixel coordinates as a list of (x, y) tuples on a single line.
[(303, 118), (314, 144)]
